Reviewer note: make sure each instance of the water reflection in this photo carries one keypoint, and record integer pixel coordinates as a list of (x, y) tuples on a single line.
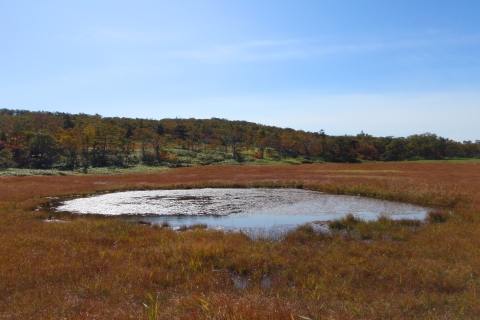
[(256, 210)]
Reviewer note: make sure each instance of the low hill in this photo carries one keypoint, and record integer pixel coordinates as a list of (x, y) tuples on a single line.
[(45, 140)]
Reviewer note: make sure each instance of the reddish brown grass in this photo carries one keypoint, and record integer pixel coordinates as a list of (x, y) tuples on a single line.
[(97, 269)]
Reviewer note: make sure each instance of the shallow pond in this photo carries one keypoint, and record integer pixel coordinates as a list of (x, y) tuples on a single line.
[(251, 210)]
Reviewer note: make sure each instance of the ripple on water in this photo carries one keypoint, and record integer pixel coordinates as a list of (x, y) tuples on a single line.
[(243, 209)]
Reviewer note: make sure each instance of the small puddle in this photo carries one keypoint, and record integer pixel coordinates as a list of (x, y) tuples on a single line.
[(240, 283), (254, 211), (244, 282)]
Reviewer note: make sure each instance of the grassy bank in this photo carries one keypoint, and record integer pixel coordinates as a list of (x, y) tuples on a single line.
[(97, 269)]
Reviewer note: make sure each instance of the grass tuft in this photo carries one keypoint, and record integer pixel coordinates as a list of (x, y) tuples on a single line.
[(437, 216), (349, 222), (165, 224)]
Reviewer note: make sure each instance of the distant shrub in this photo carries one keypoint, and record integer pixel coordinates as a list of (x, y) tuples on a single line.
[(437, 216), (304, 234), (292, 161), (198, 226), (6, 159), (348, 222), (164, 156), (306, 228)]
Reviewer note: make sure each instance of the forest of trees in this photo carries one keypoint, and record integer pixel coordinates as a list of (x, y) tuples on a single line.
[(44, 140)]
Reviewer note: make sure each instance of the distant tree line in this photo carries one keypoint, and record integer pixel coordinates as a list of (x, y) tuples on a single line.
[(45, 140)]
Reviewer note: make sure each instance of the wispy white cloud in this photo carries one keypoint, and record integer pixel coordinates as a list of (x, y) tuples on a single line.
[(264, 50), (257, 50), (449, 114), (108, 36)]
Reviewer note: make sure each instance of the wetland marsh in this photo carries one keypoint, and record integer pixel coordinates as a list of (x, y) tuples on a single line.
[(108, 268)]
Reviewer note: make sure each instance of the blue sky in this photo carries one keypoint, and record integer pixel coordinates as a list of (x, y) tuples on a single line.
[(389, 68)]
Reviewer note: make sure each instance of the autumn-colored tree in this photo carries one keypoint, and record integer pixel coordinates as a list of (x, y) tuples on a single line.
[(42, 150), (69, 144), (144, 136), (6, 159), (70, 141)]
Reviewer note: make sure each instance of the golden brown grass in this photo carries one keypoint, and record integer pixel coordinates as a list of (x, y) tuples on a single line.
[(111, 269)]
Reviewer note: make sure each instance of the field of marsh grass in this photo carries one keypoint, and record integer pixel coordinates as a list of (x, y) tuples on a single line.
[(111, 269)]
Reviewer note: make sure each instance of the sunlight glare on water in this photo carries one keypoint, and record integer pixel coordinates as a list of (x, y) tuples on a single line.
[(238, 208)]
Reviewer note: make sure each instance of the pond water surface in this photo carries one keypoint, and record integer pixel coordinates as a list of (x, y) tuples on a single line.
[(250, 210)]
